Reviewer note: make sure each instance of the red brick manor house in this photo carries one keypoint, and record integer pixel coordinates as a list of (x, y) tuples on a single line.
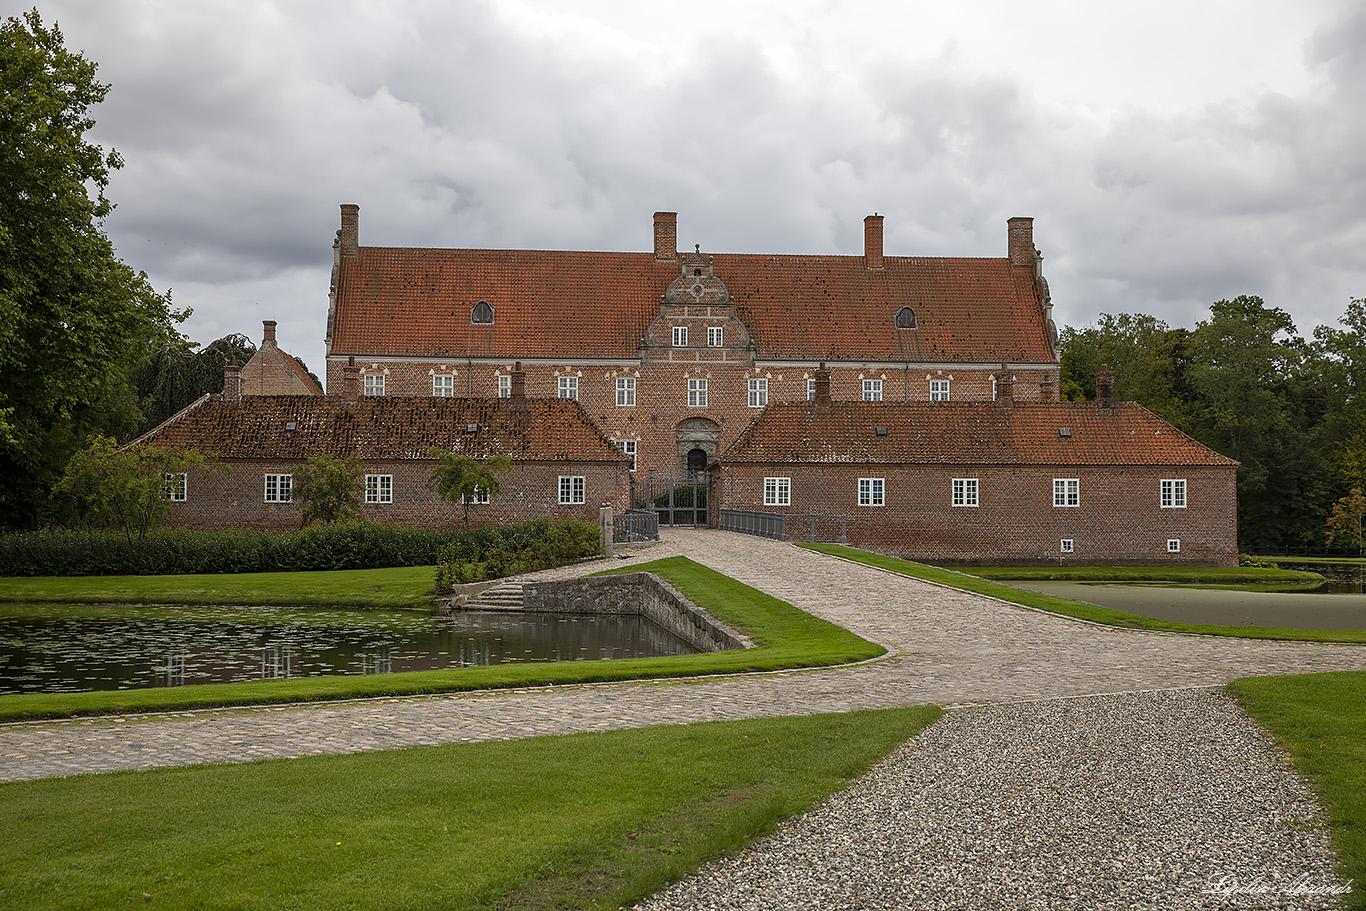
[(915, 396)]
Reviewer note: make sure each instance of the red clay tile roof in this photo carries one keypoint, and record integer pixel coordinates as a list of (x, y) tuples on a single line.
[(967, 433), (394, 301), (297, 369), (384, 428)]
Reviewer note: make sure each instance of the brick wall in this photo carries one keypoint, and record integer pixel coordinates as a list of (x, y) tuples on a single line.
[(662, 391), (1119, 519), (235, 497)]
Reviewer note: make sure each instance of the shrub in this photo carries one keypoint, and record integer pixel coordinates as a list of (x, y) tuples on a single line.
[(1262, 562), (350, 545), (491, 553)]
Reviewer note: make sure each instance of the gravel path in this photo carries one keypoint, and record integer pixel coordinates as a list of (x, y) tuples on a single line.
[(1171, 800)]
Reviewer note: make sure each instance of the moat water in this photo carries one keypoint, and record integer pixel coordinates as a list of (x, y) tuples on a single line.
[(74, 648)]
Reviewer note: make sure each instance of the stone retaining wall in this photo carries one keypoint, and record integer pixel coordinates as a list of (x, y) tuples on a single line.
[(635, 593)]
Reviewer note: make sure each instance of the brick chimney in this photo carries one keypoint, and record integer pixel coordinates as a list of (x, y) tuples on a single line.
[(822, 400), (1021, 237), (349, 235), (350, 381), (269, 334), (517, 396), (232, 382), (666, 236), (1005, 388), (872, 242), (1105, 387)]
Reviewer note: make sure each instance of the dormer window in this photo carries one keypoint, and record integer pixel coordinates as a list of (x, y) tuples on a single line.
[(481, 314), (905, 318)]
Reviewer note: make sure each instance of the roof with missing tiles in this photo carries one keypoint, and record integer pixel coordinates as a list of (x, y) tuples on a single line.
[(399, 301), (967, 433), (389, 428)]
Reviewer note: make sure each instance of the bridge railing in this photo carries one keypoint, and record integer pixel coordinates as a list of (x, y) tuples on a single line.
[(635, 526), (784, 526)]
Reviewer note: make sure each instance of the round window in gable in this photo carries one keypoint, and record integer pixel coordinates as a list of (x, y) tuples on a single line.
[(482, 314), (905, 318)]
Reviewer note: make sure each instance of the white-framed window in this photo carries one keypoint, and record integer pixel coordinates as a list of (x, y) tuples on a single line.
[(697, 393), (939, 390), (379, 488), (1066, 492), (964, 491), (777, 491), (1173, 493), (443, 385), (870, 492), (810, 389), (715, 334), (175, 486), (626, 391), (872, 390), (1065, 546), (680, 336), (480, 497), (374, 384), (758, 393), (1173, 545), (568, 387), (628, 447), (571, 490), (279, 488), (504, 386)]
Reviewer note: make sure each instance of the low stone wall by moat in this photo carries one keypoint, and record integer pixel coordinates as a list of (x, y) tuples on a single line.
[(635, 593)]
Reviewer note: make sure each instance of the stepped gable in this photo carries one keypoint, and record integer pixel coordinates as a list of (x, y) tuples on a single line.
[(967, 433), (420, 302), (298, 427)]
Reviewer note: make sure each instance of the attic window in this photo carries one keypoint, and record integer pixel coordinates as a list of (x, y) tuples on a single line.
[(1064, 431), (905, 318), (481, 314), (697, 272), (291, 425), (881, 431), (471, 428)]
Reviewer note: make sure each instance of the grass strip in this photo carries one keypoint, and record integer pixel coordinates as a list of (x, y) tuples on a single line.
[(1291, 559), (403, 587), (1319, 720), (1185, 575), (592, 820), (784, 637), (1079, 609)]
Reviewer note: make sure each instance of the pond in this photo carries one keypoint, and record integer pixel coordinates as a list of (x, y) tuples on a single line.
[(1343, 578), (74, 648)]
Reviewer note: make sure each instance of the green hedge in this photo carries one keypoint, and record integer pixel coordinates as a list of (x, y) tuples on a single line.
[(353, 545), (492, 553)]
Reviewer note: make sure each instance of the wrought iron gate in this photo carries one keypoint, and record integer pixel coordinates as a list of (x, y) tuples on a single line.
[(679, 498)]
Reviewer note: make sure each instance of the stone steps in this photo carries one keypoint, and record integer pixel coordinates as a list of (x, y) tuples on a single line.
[(504, 596)]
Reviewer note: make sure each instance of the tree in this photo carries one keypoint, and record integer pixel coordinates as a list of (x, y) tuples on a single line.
[(461, 479), (1346, 520), (328, 489), (177, 375), (75, 321), (129, 488), (1147, 357)]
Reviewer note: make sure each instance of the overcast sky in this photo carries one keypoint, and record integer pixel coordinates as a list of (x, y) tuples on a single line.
[(1171, 153)]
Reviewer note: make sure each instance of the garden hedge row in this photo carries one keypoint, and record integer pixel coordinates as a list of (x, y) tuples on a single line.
[(354, 545)]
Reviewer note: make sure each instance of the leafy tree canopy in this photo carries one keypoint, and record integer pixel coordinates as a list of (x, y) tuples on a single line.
[(328, 489), (75, 321), (128, 488), (459, 478)]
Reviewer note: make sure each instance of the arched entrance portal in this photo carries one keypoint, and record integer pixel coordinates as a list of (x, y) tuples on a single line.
[(697, 443)]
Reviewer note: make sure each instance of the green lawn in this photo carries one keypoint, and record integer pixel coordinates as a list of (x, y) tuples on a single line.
[(784, 637), (1320, 719), (581, 821), (404, 587), (1078, 609), (1181, 575)]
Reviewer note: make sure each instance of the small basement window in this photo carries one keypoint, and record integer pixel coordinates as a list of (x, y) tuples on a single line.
[(481, 314), (1065, 546), (1173, 545), (905, 318)]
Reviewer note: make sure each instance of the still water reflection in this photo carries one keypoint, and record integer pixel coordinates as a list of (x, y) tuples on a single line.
[(70, 648)]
